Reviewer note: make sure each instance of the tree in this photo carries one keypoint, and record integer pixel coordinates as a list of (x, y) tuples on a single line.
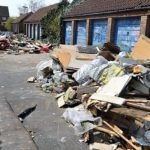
[(23, 9), (32, 6), (8, 24), (51, 23)]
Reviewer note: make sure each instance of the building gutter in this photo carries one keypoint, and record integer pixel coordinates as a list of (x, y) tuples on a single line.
[(109, 12)]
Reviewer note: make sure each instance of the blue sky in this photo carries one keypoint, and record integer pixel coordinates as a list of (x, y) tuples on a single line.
[(14, 4)]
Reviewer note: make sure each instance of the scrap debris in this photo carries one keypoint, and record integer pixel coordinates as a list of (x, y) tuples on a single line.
[(107, 98), (21, 44)]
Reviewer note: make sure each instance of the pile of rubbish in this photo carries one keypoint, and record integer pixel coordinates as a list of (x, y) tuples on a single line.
[(107, 100), (21, 44), (6, 33)]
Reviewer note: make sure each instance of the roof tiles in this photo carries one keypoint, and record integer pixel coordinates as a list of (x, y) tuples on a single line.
[(89, 7), (38, 15), (22, 17)]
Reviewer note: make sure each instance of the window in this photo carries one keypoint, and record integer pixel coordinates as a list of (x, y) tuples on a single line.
[(4, 18)]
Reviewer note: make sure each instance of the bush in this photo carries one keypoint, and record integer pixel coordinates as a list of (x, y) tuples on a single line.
[(8, 24)]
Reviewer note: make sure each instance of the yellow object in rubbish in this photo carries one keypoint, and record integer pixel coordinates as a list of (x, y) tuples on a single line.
[(137, 69)]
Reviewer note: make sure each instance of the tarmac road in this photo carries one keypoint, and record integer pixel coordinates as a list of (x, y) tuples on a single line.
[(49, 130)]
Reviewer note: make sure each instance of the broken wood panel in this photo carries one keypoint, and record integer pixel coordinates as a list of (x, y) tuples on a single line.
[(119, 82), (109, 99), (141, 107), (121, 135), (142, 49), (132, 113), (138, 100), (84, 56)]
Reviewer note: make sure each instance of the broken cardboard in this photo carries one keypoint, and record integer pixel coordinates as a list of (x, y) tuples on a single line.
[(141, 50), (64, 58)]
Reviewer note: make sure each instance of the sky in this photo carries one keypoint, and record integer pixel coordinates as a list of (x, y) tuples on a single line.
[(14, 4)]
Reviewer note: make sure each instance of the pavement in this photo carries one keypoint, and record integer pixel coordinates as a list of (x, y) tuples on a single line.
[(44, 129)]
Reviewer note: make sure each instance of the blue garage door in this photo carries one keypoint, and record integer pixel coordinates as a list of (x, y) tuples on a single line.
[(99, 31), (68, 33), (81, 33), (127, 32)]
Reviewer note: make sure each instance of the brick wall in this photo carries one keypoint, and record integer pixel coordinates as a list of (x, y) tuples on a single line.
[(145, 24)]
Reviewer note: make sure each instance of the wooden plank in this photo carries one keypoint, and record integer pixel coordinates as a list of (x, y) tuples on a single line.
[(109, 99), (121, 135), (102, 146), (83, 56), (102, 129), (138, 100), (142, 107), (132, 113)]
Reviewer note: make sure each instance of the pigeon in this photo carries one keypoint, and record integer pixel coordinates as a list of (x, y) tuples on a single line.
[(26, 113)]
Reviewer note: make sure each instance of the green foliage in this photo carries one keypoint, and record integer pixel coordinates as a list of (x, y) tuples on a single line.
[(74, 3), (2, 28), (8, 24), (51, 23)]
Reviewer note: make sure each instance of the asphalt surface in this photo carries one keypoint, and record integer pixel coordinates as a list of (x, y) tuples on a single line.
[(48, 129)]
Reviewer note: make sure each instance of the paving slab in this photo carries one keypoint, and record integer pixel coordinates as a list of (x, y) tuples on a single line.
[(13, 136)]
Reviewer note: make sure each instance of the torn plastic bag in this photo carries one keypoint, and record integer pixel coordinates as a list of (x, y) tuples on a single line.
[(46, 68), (82, 121), (97, 72), (56, 65), (61, 80), (82, 75), (104, 73), (43, 64), (42, 68), (143, 138), (60, 77)]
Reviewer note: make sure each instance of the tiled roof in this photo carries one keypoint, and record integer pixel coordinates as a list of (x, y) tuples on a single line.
[(38, 15), (4, 11), (22, 17), (89, 7)]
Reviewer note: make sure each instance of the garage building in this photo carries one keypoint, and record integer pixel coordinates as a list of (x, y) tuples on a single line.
[(95, 22)]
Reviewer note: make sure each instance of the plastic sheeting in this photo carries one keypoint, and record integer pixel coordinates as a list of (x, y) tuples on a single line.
[(82, 121), (106, 72), (83, 74)]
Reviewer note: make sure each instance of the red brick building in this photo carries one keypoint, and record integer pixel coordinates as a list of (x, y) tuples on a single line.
[(18, 24), (33, 23), (97, 21), (4, 14)]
